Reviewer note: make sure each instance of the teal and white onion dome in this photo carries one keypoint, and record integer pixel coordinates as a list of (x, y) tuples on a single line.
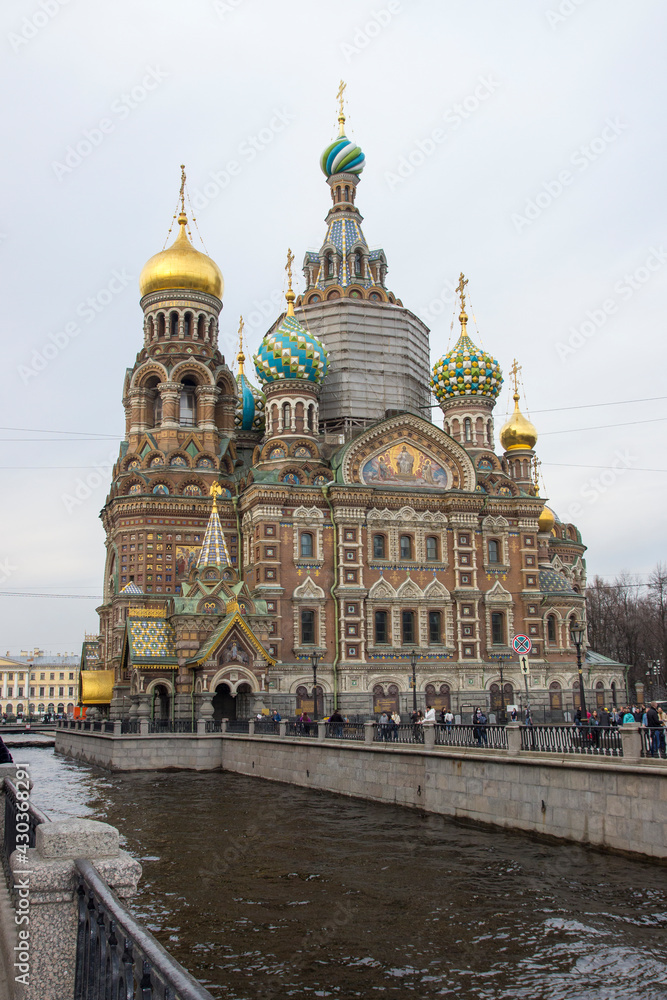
[(466, 370), (249, 414), (290, 352), (342, 156)]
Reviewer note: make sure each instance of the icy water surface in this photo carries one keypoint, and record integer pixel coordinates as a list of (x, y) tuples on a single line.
[(263, 890)]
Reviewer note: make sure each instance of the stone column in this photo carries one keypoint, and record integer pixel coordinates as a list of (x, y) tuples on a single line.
[(143, 712), (282, 727), (631, 741), (170, 393), (251, 728), (429, 735), (207, 396), (513, 737), (321, 730), (206, 712), (139, 399), (369, 732), (48, 893)]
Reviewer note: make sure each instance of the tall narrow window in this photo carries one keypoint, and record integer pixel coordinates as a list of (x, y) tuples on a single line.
[(494, 553), (306, 547), (287, 417), (187, 324), (379, 547), (406, 547), (157, 410), (357, 264), (329, 265), (408, 625), (497, 628), (381, 631), (200, 328), (311, 417), (551, 629), (307, 628), (467, 430), (173, 324), (432, 548), (188, 406), (434, 627)]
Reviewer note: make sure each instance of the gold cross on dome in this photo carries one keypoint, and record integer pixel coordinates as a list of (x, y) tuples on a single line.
[(341, 111), (461, 289), (288, 267), (514, 372), (182, 191)]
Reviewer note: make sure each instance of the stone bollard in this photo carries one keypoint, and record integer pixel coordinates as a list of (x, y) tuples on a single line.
[(117, 727), (251, 728), (143, 727), (48, 894), (631, 741), (223, 725), (513, 737), (429, 735), (369, 732), (282, 727), (201, 727), (321, 731)]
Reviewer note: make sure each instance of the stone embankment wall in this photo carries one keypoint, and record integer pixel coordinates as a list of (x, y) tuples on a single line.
[(605, 802)]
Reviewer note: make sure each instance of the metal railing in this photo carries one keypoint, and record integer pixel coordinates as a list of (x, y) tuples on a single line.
[(129, 727), (345, 731), (118, 958), (266, 727), (237, 726), (212, 726), (301, 728), (494, 737), (595, 740), (14, 817), (405, 732), (171, 726), (653, 741)]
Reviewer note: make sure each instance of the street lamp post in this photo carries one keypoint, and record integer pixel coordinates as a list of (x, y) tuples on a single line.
[(654, 673), (503, 713), (577, 632), (314, 659), (413, 664)]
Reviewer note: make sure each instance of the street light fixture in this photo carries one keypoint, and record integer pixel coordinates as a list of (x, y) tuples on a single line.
[(314, 659), (413, 664), (577, 633), (653, 672)]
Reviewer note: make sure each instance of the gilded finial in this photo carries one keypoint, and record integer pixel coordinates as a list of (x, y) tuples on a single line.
[(514, 372), (341, 112), (537, 466), (461, 289), (182, 219), (240, 357), (215, 491), (289, 295)]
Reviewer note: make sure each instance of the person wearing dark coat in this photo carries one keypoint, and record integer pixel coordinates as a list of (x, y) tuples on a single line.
[(654, 727)]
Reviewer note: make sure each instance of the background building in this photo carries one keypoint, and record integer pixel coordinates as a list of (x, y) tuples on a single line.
[(37, 682), (325, 513)]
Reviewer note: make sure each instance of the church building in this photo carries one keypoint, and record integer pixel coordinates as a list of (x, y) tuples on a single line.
[(322, 510)]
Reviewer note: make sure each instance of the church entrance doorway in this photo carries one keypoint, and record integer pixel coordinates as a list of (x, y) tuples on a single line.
[(161, 703), (224, 705)]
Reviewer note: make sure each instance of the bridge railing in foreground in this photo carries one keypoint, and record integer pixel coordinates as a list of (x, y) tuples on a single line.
[(595, 740), (64, 886)]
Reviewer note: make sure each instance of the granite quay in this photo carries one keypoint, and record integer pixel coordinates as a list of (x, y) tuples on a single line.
[(533, 779), (64, 929)]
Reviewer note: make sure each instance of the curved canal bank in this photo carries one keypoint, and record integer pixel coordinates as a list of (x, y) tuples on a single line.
[(266, 890)]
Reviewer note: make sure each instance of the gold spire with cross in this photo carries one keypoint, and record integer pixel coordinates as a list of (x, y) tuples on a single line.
[(182, 219), (341, 112), (514, 374), (240, 357), (215, 491), (461, 289), (289, 295)]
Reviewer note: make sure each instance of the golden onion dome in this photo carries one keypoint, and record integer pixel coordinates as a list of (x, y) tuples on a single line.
[(546, 520), (181, 266), (518, 432)]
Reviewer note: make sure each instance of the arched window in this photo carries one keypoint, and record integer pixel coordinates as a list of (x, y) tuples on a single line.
[(599, 695), (329, 265), (307, 628), (497, 628), (434, 627), (201, 329), (188, 405), (379, 547), (489, 434), (551, 629), (381, 630), (406, 546), (287, 417), (408, 627), (357, 264), (494, 551), (274, 419), (311, 417), (432, 548), (467, 430), (173, 324), (187, 324), (306, 545), (151, 328), (157, 409), (347, 192), (160, 325)]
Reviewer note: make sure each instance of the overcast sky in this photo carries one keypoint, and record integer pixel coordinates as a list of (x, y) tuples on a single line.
[(521, 142)]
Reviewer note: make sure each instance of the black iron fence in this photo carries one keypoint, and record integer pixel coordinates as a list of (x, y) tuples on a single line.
[(171, 726), (238, 726), (19, 821), (300, 728), (597, 740), (653, 742), (266, 727), (345, 731), (494, 737)]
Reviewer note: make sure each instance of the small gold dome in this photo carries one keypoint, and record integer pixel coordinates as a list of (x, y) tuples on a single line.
[(546, 520), (181, 266), (518, 432)]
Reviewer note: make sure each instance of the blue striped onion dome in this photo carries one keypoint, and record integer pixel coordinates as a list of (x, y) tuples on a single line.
[(342, 157), (249, 414), (290, 353), (466, 370)]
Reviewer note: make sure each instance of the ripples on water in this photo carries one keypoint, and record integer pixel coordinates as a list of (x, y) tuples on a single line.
[(264, 890)]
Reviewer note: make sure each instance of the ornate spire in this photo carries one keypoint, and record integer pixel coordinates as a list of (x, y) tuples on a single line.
[(341, 112), (463, 316), (214, 550), (518, 433), (289, 295), (240, 357)]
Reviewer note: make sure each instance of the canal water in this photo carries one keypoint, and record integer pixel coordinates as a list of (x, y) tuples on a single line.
[(267, 891)]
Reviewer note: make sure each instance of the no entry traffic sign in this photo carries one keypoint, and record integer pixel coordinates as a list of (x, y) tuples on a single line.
[(521, 644)]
